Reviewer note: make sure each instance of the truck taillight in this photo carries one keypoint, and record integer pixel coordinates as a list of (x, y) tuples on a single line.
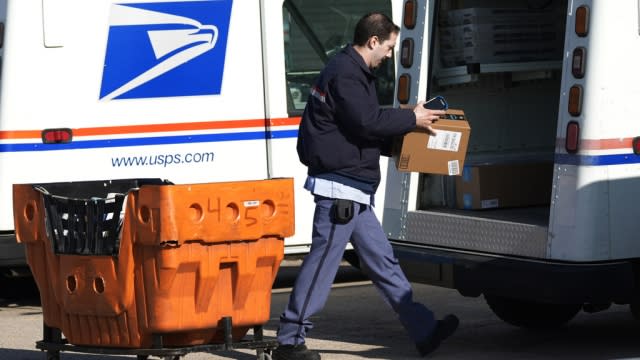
[(410, 14), (575, 100), (636, 145), (572, 137), (578, 64), (582, 21), (57, 136), (1, 34), (404, 88)]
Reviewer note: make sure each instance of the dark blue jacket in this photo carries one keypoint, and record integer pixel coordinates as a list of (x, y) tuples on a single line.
[(343, 129)]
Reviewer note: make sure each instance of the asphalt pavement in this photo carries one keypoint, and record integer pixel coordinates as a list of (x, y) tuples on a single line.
[(357, 324)]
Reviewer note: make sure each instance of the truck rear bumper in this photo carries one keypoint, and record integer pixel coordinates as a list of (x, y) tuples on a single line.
[(558, 282)]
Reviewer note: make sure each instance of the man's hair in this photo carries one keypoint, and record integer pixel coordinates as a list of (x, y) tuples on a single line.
[(374, 24)]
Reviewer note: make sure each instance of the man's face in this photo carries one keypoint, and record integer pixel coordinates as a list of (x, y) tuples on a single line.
[(383, 50)]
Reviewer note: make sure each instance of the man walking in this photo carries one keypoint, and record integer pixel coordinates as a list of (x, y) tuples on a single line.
[(342, 135)]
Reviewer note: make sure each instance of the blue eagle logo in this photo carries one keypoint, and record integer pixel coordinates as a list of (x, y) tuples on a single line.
[(165, 49)]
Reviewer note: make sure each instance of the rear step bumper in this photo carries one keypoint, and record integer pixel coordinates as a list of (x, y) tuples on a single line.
[(473, 274)]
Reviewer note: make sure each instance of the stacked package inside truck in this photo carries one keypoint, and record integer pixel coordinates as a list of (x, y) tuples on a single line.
[(497, 35)]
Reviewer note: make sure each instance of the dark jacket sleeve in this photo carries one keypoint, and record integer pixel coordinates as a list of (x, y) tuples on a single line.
[(361, 116)]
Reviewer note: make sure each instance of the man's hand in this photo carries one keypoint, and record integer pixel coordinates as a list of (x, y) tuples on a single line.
[(426, 117)]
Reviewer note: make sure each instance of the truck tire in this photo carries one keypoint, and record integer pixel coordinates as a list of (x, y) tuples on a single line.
[(531, 315)]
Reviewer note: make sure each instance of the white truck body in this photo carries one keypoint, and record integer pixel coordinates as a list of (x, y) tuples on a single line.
[(191, 91)]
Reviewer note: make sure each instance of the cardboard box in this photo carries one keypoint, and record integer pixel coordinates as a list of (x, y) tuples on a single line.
[(443, 153), (504, 185)]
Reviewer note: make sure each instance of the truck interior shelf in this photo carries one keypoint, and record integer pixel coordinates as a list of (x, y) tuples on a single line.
[(519, 71)]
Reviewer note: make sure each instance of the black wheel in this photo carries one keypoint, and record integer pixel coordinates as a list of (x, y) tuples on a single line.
[(351, 257), (635, 309), (142, 357), (531, 315)]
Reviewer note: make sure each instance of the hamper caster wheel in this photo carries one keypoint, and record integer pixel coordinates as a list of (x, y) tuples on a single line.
[(264, 355)]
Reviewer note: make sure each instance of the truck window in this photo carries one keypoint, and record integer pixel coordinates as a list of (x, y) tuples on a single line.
[(314, 31)]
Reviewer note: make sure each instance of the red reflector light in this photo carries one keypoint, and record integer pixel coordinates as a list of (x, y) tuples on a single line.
[(636, 145), (572, 137), (1, 35), (579, 60), (410, 14), (404, 88), (57, 136), (575, 100)]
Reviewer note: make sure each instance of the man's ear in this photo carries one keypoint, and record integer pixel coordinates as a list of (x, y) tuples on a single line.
[(372, 42)]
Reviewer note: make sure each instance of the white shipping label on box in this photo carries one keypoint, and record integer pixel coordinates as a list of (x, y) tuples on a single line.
[(445, 140), (454, 167)]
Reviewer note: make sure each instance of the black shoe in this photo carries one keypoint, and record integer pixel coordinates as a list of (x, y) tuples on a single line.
[(294, 352), (444, 328)]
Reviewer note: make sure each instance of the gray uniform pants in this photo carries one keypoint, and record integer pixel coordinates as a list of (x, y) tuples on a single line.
[(320, 266)]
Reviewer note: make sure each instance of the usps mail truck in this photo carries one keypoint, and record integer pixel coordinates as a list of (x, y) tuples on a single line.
[(541, 220), (191, 91)]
